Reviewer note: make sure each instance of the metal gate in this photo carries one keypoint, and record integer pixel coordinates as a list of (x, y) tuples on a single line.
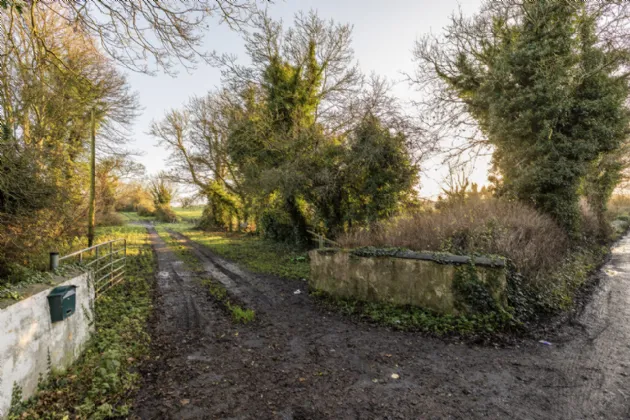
[(107, 261)]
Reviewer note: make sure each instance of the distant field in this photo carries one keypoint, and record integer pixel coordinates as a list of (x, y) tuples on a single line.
[(187, 214), (256, 254), (134, 217), (192, 212)]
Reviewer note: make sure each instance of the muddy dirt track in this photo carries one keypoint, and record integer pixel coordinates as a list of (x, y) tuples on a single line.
[(299, 361)]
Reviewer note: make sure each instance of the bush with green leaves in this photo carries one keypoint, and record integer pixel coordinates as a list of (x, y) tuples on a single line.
[(164, 213)]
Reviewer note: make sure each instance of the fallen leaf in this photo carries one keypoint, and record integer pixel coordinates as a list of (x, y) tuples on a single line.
[(185, 402)]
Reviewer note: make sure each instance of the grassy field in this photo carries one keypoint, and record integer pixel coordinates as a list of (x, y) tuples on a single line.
[(187, 214), (103, 382), (132, 216), (256, 254), (192, 212)]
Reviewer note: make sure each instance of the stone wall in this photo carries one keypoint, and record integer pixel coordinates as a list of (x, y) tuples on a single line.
[(28, 339), (438, 282)]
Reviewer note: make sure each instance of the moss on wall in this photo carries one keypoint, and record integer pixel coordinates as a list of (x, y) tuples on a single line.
[(427, 283)]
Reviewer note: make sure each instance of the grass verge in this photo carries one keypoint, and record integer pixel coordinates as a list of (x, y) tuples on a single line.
[(102, 383), (132, 216)]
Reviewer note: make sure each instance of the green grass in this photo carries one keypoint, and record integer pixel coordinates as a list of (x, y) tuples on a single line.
[(102, 383), (132, 216), (192, 212), (219, 293), (410, 318), (240, 315), (256, 254), (179, 247)]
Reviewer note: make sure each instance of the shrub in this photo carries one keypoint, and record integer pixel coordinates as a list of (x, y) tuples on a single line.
[(110, 219), (164, 213), (531, 240), (146, 210), (26, 240), (619, 206), (187, 202), (590, 228), (208, 220), (276, 225)]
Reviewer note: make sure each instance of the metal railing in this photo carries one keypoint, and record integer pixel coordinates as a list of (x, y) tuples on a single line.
[(107, 261), (321, 239)]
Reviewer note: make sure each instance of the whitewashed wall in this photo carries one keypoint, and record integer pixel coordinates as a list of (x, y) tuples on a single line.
[(27, 338)]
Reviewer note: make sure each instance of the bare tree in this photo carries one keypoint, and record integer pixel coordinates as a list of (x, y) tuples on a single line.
[(141, 35), (442, 111), (341, 79), (197, 137)]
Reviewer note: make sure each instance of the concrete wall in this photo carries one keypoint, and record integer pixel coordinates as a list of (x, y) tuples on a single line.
[(27, 338), (412, 279)]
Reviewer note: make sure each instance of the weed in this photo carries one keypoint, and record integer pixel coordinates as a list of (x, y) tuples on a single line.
[(411, 318), (239, 314), (219, 293), (102, 382), (470, 293), (23, 277), (531, 240), (17, 404)]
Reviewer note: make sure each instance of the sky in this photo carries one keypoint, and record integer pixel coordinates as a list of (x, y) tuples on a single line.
[(383, 37)]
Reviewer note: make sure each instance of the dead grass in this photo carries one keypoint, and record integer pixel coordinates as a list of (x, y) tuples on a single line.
[(532, 241), (619, 206)]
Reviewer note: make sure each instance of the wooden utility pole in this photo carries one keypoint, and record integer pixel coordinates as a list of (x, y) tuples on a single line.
[(92, 204)]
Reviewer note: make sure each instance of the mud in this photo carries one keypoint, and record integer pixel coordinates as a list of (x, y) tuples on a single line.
[(299, 361)]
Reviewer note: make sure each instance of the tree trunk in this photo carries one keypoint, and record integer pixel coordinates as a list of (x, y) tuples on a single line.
[(92, 202), (300, 226)]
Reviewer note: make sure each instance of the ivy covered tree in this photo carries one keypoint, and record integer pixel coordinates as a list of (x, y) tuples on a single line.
[(314, 164), (548, 97), (305, 141), (381, 172), (364, 178)]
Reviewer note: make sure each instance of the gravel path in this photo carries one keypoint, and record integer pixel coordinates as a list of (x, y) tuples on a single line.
[(299, 361)]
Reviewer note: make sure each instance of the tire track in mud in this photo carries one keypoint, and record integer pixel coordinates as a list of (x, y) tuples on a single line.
[(261, 292), (299, 361), (598, 361), (174, 283), (181, 316)]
